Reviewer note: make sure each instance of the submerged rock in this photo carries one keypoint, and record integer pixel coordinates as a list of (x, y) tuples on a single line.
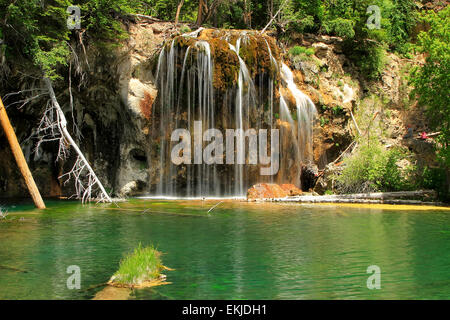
[(113, 293)]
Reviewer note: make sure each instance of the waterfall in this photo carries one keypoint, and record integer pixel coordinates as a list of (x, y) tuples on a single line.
[(189, 90), (244, 98), (306, 112)]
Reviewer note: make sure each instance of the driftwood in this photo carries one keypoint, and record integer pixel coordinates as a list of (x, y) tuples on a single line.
[(143, 16), (354, 122), (213, 207)]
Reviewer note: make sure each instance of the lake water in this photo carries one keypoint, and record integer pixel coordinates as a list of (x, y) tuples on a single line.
[(238, 251)]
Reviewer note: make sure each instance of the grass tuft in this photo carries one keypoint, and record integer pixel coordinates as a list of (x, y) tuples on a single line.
[(144, 264)]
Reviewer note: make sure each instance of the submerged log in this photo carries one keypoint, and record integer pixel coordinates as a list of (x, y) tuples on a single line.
[(20, 159)]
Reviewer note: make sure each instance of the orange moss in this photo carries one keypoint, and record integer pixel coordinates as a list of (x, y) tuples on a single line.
[(146, 105)]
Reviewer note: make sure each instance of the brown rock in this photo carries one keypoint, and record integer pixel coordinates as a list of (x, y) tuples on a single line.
[(291, 189), (266, 191)]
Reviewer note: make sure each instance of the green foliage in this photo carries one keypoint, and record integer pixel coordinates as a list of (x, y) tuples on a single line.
[(434, 178), (373, 168), (323, 121), (370, 58), (299, 50), (402, 17), (185, 29), (337, 110), (142, 265), (37, 32), (101, 18), (431, 80), (340, 27)]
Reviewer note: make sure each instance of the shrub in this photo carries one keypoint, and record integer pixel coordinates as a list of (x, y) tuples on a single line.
[(373, 168), (340, 27), (373, 61)]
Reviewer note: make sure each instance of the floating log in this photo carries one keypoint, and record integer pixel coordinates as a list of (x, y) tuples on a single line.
[(20, 159)]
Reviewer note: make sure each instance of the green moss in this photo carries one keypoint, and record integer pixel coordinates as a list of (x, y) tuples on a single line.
[(226, 64)]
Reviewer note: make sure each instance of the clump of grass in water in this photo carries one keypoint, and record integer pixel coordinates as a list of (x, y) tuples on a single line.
[(141, 266)]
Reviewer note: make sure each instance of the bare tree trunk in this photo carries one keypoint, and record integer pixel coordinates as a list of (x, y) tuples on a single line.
[(20, 159), (178, 11), (270, 9), (273, 18), (83, 191), (201, 8), (205, 12)]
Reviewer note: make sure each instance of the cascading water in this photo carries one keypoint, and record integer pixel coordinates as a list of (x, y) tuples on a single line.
[(226, 80), (306, 112)]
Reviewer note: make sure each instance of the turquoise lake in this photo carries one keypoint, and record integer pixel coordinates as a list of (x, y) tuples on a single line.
[(239, 251)]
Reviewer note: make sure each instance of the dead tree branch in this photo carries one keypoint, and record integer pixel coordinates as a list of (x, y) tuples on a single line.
[(53, 126)]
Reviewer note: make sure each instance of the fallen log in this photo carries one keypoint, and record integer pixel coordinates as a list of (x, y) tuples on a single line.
[(384, 195), (419, 197), (312, 199)]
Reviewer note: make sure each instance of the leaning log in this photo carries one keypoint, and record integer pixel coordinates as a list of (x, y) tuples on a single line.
[(20, 159)]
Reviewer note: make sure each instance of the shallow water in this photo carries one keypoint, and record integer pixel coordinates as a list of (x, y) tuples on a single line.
[(238, 251)]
